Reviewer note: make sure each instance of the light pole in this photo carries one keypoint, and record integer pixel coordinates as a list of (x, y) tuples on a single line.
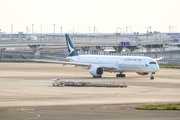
[(41, 31), (151, 36), (131, 29), (170, 29), (97, 34), (29, 33), (151, 42), (11, 30), (147, 28), (175, 27), (61, 29), (123, 29), (54, 28), (137, 36), (94, 29), (150, 28), (117, 40), (147, 32), (0, 34), (126, 29), (32, 28), (89, 31), (117, 29), (26, 30)]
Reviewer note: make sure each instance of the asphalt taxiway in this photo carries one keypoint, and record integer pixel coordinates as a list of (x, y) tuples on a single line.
[(26, 93)]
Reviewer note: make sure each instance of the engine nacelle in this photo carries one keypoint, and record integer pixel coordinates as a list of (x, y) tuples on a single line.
[(142, 73), (96, 71)]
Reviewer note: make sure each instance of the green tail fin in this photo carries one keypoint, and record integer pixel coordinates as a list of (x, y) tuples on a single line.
[(70, 46)]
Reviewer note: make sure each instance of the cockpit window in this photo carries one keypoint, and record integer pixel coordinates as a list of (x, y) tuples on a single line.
[(152, 62)]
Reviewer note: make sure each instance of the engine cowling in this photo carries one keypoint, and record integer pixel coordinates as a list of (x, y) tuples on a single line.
[(142, 73), (96, 71)]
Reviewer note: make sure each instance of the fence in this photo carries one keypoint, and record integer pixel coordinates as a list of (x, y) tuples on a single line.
[(170, 62), (16, 56)]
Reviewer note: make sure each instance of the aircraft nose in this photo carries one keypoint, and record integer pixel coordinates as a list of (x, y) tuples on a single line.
[(156, 68)]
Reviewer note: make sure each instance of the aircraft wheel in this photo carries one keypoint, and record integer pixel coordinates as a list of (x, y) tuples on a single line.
[(122, 75), (152, 78), (97, 76)]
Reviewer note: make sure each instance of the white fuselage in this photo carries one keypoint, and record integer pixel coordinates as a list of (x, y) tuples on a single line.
[(122, 63)]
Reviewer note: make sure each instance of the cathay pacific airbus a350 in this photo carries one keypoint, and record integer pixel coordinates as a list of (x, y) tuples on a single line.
[(98, 64)]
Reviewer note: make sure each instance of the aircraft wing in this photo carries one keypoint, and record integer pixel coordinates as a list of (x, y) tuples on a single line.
[(162, 56), (79, 64), (61, 58), (65, 63), (107, 66)]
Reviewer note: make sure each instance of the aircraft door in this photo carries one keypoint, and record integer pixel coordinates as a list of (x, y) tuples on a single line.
[(143, 63), (119, 63)]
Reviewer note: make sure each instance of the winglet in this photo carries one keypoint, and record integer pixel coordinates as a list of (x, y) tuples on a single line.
[(162, 56)]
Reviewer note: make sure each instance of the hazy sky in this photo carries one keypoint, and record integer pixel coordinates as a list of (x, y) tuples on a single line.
[(105, 15)]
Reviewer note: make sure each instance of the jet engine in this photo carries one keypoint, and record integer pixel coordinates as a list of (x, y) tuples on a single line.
[(142, 73), (96, 71)]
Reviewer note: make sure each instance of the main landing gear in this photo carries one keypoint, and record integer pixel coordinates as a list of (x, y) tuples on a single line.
[(97, 76), (152, 77), (120, 75)]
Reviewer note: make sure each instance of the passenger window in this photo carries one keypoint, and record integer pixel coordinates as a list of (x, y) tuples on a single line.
[(152, 63)]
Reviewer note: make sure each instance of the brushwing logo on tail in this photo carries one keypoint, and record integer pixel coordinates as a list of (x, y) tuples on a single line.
[(70, 48)]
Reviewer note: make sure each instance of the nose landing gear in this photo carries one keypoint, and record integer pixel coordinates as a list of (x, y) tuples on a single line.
[(152, 77)]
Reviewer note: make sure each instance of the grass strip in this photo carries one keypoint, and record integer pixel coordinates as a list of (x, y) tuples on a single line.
[(160, 107), (168, 66)]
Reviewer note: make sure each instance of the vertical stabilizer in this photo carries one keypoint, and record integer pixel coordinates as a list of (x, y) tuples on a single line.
[(70, 46)]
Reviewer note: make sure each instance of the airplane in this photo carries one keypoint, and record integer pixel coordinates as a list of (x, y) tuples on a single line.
[(98, 64)]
